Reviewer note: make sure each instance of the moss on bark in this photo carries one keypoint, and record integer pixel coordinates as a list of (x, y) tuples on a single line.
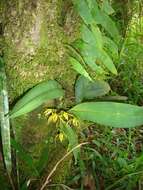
[(34, 45), (34, 50)]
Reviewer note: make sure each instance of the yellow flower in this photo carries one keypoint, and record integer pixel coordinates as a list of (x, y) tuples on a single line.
[(61, 137), (75, 122), (65, 115), (48, 112), (55, 117)]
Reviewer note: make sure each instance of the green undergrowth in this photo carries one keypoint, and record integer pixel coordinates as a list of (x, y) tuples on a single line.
[(130, 65), (113, 160)]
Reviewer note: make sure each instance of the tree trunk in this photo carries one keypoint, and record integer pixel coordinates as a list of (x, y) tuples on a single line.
[(33, 34)]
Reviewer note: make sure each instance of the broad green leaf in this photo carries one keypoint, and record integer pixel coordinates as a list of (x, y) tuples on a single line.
[(92, 4), (107, 61), (92, 14), (91, 62), (88, 55), (72, 138), (91, 54), (110, 114), (75, 53), (78, 44), (87, 35), (93, 36), (85, 89), (79, 68), (84, 11), (97, 35), (107, 23), (25, 157), (110, 45), (107, 8), (38, 95), (4, 119)]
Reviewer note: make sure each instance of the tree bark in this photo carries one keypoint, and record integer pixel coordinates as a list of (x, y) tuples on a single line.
[(33, 34)]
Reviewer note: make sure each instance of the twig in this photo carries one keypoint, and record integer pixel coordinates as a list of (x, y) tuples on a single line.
[(10, 180), (57, 164), (62, 185)]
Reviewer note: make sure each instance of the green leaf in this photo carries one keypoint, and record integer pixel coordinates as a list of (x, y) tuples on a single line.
[(75, 53), (107, 8), (5, 135), (79, 68), (110, 114), (97, 35), (107, 23), (87, 59), (78, 44), (4, 119), (92, 4), (93, 36), (84, 11), (92, 53), (72, 138), (87, 35), (85, 89), (110, 45), (91, 62), (92, 14), (107, 61), (89, 56), (38, 95)]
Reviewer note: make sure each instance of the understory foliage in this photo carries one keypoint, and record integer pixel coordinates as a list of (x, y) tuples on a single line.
[(106, 64), (114, 158)]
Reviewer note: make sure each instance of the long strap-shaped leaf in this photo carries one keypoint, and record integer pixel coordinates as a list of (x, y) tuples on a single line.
[(35, 97), (110, 114), (4, 119), (72, 138)]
